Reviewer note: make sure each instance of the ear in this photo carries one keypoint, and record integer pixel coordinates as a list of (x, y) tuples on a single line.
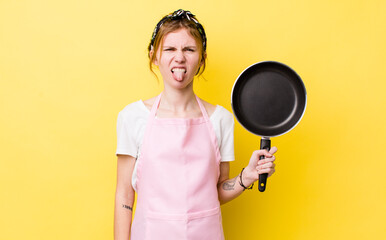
[(155, 61)]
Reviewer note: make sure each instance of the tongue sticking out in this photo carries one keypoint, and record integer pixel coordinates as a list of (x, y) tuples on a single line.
[(178, 74)]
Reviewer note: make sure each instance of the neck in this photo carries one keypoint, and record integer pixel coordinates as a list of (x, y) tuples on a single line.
[(178, 100)]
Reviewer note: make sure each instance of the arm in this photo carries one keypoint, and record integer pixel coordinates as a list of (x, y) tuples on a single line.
[(229, 189), (124, 198)]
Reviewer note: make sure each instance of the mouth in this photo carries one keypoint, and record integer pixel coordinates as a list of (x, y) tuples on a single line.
[(178, 73)]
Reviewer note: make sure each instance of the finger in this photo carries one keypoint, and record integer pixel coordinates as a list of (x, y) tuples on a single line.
[(273, 150), (266, 165), (265, 160), (256, 156), (263, 152), (266, 170)]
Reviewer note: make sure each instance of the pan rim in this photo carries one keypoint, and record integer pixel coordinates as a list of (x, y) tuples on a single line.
[(305, 96)]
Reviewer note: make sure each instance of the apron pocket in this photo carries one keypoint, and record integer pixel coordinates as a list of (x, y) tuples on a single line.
[(206, 225), (165, 226), (203, 225)]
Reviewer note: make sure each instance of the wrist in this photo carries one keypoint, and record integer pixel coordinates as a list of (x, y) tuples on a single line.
[(245, 186), (247, 177)]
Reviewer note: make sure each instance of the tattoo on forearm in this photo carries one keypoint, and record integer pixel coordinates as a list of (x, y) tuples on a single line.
[(127, 207), (229, 185)]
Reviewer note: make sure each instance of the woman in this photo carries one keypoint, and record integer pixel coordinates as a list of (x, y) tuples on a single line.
[(174, 149)]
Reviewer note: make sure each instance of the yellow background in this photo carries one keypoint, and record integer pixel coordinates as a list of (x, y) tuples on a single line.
[(68, 67)]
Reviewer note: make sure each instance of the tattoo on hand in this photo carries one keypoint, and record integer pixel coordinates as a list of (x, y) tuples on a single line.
[(229, 185), (127, 207)]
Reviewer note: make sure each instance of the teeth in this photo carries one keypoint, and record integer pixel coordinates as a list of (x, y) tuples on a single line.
[(178, 70)]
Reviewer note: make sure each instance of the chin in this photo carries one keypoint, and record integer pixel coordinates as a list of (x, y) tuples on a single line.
[(181, 85)]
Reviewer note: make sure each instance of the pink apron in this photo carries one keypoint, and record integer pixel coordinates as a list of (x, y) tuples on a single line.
[(177, 180)]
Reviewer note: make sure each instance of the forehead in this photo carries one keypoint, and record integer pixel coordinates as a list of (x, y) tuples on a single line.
[(179, 37)]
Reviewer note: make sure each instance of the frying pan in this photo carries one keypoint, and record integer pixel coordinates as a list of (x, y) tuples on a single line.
[(268, 99)]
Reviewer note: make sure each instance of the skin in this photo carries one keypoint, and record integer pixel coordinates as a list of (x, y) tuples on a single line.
[(178, 101), (179, 50)]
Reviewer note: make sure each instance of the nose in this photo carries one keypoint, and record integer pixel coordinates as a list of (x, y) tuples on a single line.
[(180, 56)]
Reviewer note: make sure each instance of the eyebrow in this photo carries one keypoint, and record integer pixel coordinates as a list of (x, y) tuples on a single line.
[(175, 47)]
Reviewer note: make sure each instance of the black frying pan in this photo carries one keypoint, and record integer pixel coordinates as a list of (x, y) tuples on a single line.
[(268, 99)]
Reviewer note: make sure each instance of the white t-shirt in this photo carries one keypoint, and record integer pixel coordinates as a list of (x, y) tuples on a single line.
[(132, 122)]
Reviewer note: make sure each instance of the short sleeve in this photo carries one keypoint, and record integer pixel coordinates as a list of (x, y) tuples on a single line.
[(227, 136), (126, 142)]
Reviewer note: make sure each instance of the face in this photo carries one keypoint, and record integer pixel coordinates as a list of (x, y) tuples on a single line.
[(178, 59)]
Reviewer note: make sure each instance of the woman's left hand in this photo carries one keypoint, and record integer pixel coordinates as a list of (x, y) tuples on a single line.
[(256, 166)]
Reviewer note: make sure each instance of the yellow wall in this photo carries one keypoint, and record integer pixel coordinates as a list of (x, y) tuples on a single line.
[(68, 67)]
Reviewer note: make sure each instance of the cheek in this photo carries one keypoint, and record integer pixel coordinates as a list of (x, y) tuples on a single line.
[(194, 58), (158, 58)]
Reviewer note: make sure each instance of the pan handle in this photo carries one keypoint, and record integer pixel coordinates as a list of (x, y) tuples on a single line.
[(265, 143)]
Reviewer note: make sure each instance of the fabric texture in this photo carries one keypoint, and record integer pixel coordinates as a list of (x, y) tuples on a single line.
[(177, 180), (132, 122)]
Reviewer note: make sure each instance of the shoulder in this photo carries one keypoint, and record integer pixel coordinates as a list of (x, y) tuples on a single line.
[(134, 110), (218, 114), (148, 103), (223, 113), (210, 108)]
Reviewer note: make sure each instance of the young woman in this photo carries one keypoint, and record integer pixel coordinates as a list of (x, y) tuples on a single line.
[(174, 149)]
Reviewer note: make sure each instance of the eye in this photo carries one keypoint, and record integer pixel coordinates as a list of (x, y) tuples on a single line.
[(168, 49)]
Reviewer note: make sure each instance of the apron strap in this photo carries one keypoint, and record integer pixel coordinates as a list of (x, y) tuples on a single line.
[(155, 106), (203, 110)]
